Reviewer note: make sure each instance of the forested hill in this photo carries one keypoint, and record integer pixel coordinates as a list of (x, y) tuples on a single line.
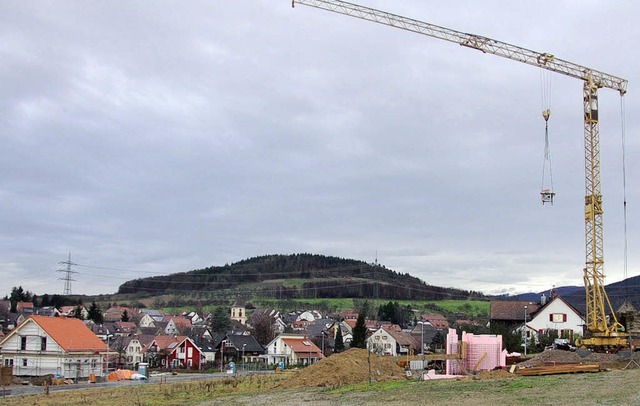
[(296, 276)]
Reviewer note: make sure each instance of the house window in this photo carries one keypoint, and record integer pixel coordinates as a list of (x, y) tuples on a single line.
[(189, 363), (377, 337), (384, 337), (23, 343), (557, 317), (43, 343), (190, 353), (24, 362), (8, 362)]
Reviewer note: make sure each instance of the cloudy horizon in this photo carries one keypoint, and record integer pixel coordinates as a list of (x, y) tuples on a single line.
[(150, 138)]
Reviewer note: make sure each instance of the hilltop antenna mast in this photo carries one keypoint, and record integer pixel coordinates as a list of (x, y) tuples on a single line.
[(67, 275)]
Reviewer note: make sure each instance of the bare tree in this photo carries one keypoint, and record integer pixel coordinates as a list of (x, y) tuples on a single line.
[(262, 327)]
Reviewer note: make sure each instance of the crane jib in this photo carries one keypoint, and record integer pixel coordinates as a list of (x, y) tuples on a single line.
[(487, 45)]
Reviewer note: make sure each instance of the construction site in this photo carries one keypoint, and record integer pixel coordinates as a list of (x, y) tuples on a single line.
[(357, 366), (602, 331)]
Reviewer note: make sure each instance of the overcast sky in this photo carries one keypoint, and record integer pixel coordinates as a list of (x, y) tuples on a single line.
[(153, 137)]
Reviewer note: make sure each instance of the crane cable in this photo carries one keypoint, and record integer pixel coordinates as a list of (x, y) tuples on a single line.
[(547, 192), (624, 183)]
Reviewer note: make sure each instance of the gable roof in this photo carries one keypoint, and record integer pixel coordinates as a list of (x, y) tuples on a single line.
[(70, 333), (303, 346), (403, 339), (178, 321), (511, 310), (124, 326), (249, 342), (560, 298), (169, 343), (436, 320)]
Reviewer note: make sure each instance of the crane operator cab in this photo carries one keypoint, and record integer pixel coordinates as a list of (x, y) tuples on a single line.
[(547, 196)]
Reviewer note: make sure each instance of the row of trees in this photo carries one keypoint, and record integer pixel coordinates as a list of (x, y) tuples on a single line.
[(18, 294)]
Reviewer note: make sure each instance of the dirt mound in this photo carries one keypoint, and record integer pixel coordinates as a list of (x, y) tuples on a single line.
[(495, 374), (550, 357), (349, 367)]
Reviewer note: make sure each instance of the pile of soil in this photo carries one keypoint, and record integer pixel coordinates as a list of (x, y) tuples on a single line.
[(550, 357), (347, 368), (495, 374)]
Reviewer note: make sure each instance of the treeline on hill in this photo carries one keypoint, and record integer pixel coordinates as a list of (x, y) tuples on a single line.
[(297, 276), (18, 294)]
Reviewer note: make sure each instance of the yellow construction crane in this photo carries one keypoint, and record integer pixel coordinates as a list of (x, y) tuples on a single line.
[(603, 332)]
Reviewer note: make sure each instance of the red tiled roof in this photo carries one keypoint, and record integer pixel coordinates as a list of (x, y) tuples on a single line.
[(388, 326), (24, 305), (178, 321), (163, 342), (303, 346), (70, 333)]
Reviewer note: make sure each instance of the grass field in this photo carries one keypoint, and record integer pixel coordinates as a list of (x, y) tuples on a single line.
[(617, 387)]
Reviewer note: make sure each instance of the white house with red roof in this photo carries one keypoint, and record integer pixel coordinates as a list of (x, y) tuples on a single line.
[(292, 349), (559, 316), (43, 345)]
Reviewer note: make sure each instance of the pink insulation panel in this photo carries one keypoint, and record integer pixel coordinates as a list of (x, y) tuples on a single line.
[(483, 352)]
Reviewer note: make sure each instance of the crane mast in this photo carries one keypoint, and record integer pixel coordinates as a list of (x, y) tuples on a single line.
[(605, 333)]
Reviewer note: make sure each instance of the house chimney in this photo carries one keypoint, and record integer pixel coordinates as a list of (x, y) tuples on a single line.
[(543, 299)]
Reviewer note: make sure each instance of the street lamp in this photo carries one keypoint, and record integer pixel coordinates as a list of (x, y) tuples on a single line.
[(222, 356), (422, 341), (243, 345), (525, 331), (323, 333)]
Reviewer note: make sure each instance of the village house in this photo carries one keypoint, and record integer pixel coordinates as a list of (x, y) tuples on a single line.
[(292, 349), (70, 311), (53, 345), (557, 316), (115, 313), (425, 332), (132, 348), (629, 317), (149, 318), (145, 320), (124, 328), (178, 352), (511, 313), (102, 331), (391, 342), (438, 321), (241, 348), (176, 325), (49, 311)]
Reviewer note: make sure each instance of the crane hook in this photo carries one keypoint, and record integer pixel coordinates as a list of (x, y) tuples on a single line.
[(546, 114)]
